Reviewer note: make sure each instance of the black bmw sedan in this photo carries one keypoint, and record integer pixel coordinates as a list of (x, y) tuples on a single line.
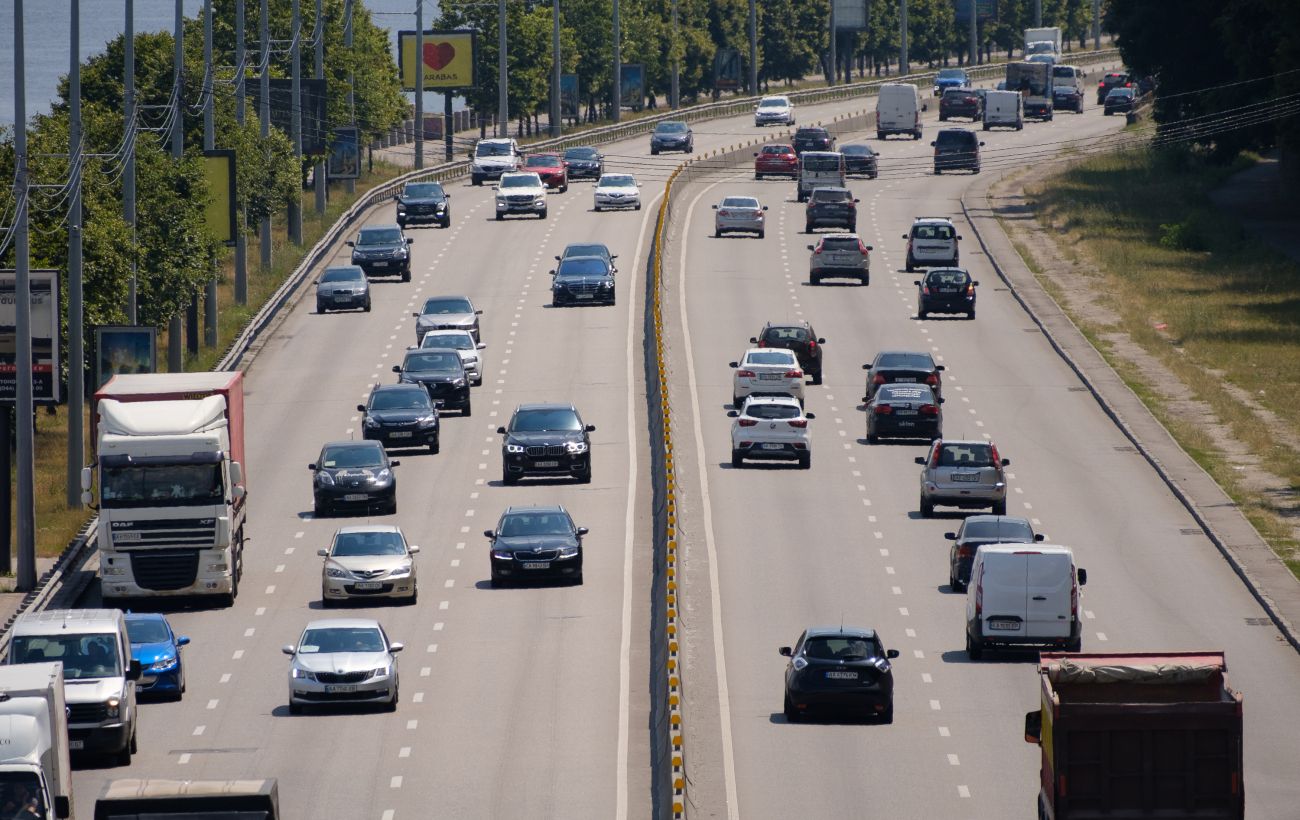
[(536, 543), (839, 669)]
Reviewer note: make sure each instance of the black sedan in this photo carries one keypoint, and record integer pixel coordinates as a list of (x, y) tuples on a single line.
[(904, 411), (582, 280), (945, 290), (536, 543), (860, 160), (424, 202), (839, 669), (585, 162), (983, 529), (382, 250), (546, 439), (400, 415), (353, 476), (441, 372), (589, 249), (903, 366), (812, 138), (672, 135), (1120, 101)]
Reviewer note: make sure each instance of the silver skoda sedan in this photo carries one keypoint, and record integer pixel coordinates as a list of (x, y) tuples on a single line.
[(343, 660)]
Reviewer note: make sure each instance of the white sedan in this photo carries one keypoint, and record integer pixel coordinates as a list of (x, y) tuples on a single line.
[(739, 213), (617, 191), (771, 427), (766, 370), (461, 341), (776, 110)]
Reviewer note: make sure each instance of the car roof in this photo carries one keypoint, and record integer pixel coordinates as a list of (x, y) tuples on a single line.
[(449, 296), (586, 256), (964, 441), (802, 323), (401, 387), (353, 268), (341, 623), (767, 350), (366, 443), (836, 188), (1008, 549), (810, 128), (446, 331), (945, 219), (389, 227), (996, 519), (841, 236), (947, 270), (145, 616), (544, 405), (534, 508), (55, 621), (367, 528), (896, 351), (502, 140), (840, 631), (773, 398)]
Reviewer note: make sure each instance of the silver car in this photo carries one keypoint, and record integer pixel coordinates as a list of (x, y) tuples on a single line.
[(447, 313), (342, 288), (966, 474), (369, 561), (342, 660), (739, 213), (461, 341), (839, 255)]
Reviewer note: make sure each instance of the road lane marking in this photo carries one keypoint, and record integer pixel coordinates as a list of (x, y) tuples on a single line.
[(239, 653), (934, 706), (212, 704), (943, 732), (225, 678), (198, 730), (963, 791), (953, 760), (395, 782)]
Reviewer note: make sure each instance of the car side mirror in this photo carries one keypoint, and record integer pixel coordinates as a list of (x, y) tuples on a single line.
[(976, 283), (1038, 536), (755, 154), (133, 671), (857, 200), (866, 367), (415, 314), (753, 340), (1083, 576), (933, 143), (311, 467), (731, 414), (288, 649), (1033, 726), (501, 431), (942, 400), (317, 282), (811, 248), (397, 368), (551, 271), (916, 282), (396, 647), (583, 530), (1006, 462), (785, 651), (351, 244), (715, 207), (938, 367), (821, 341), (951, 536), (981, 145), (959, 236), (891, 653), (87, 478), (411, 239), (183, 640), (810, 415), (480, 313), (481, 346), (361, 408), (412, 549), (866, 399), (920, 460), (591, 428), (733, 365), (904, 236), (557, 259), (871, 247)]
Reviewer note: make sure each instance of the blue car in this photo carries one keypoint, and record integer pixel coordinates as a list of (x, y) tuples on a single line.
[(158, 649), (950, 78)]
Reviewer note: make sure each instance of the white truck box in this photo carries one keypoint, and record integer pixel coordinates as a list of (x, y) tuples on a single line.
[(34, 737)]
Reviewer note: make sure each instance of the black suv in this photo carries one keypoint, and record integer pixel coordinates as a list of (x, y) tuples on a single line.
[(798, 337), (400, 415), (810, 138), (945, 290), (957, 149), (546, 439), (381, 250), (424, 202), (439, 371), (860, 159), (531, 543), (672, 135), (831, 208), (961, 102)]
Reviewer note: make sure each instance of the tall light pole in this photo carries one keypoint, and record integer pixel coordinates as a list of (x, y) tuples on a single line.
[(349, 184), (264, 117), (23, 402), (503, 77), (76, 332), (674, 92), (321, 185), (974, 34), (209, 143), (128, 172), (753, 47), (295, 128), (175, 358), (419, 83), (618, 69), (1096, 24), (556, 115), (1038, 12), (834, 76), (903, 68), (241, 239)]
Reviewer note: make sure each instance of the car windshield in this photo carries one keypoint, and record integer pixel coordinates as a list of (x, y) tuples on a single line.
[(582, 266), (857, 150), (1066, 71), (542, 161), (380, 236), (535, 523), (148, 630), (520, 181), (956, 139), (352, 456), (586, 250), (904, 392), (778, 357), (915, 361), (1008, 530), (957, 93), (670, 128), (952, 74), (966, 455), (933, 232), (349, 544), (341, 639), (424, 190), (160, 485), (581, 153), (811, 133), (415, 399), (449, 341), (534, 421), (1120, 92), (617, 181), (774, 102), (786, 334), (83, 656), (447, 305), (830, 195), (947, 277), (740, 202), (433, 360), (840, 245), (772, 411), (843, 648), (778, 149), (492, 149), (332, 275)]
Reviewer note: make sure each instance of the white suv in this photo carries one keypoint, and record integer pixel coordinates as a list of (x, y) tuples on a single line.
[(766, 370), (771, 427), (521, 193), (776, 110), (932, 243), (461, 341), (492, 158)]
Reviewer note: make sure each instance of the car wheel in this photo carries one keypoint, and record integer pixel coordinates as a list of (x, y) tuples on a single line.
[(866, 281), (406, 275), (401, 223), (475, 180), (757, 175), (923, 314), (1000, 507), (916, 135), (910, 266), (542, 214), (761, 234), (325, 602), (817, 377), (974, 649), (565, 189), (637, 207), (717, 234), (943, 118), (736, 401), (319, 510), (295, 708), (807, 228), (986, 126), (970, 315), (123, 757), (577, 579), (596, 208), (584, 477), (508, 479), (465, 411), (654, 152), (1075, 645), (366, 307), (880, 135), (500, 217), (887, 716), (872, 438), (435, 445), (791, 714), (805, 461), (927, 508), (320, 308), (392, 506), (814, 279), (853, 227), (937, 171), (737, 459)]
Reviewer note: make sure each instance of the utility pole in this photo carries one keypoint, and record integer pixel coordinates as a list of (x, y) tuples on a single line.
[(1038, 12), (419, 83), (264, 115), (295, 113), (241, 240), (128, 173), (76, 330), (556, 118), (1096, 25), (24, 408), (322, 183), (209, 143), (903, 68), (175, 358), (674, 90), (618, 68), (503, 78), (833, 76), (753, 47), (974, 35), (350, 185)]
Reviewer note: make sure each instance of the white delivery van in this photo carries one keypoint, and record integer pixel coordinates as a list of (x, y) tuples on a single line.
[(820, 169), (34, 742), (1023, 595), (1004, 109), (898, 110)]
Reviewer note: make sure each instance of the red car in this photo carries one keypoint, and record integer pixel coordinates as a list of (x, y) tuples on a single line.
[(776, 159), (552, 168)]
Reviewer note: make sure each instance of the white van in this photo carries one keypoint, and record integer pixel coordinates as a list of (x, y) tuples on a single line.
[(1004, 109), (820, 169), (98, 673), (898, 110), (1023, 595)]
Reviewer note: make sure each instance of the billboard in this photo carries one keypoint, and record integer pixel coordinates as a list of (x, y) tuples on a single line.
[(124, 349), (987, 10), (314, 121), (632, 86), (448, 59), (220, 215), (851, 15), (569, 102), (728, 70), (345, 153), (45, 336)]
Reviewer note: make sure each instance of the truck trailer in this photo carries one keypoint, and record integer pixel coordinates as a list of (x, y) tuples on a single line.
[(169, 465), (1141, 735), (1033, 81), (133, 799), (34, 771)]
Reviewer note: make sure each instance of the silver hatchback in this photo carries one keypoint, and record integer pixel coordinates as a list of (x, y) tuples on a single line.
[(965, 474), (739, 213)]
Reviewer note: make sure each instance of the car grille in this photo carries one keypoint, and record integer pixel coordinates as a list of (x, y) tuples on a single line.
[(397, 424), (441, 390), (549, 450), (516, 199), (421, 209), (87, 712), (537, 555), (342, 677), (383, 590), (197, 532), (165, 569), (581, 287)]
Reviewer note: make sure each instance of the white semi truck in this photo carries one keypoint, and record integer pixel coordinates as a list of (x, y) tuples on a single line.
[(169, 464), (1037, 41), (34, 772)]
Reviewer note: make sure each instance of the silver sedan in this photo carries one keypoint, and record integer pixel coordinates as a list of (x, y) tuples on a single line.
[(368, 561), (739, 213), (343, 660)]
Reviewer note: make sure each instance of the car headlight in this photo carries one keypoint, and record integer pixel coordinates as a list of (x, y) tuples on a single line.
[(162, 664), (401, 207), (458, 383), (539, 199), (501, 200), (336, 572), (799, 664), (383, 475), (219, 566), (607, 284), (568, 552), (371, 422), (400, 572), (425, 421), (380, 672), (502, 555), (324, 478), (112, 707), (576, 446), (514, 448), (303, 674)]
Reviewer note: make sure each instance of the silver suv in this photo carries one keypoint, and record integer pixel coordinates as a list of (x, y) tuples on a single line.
[(521, 193), (839, 255), (966, 474), (932, 243)]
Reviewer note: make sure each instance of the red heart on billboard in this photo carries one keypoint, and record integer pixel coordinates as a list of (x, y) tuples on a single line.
[(438, 55)]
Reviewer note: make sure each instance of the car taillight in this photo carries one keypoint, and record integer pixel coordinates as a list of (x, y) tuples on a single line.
[(883, 409), (748, 422), (745, 374), (818, 250), (1128, 85), (879, 378), (794, 374), (929, 409), (724, 213), (932, 379), (979, 594), (762, 343), (812, 345), (970, 290), (800, 423), (1074, 601), (925, 290), (1101, 84), (965, 552), (862, 249), (997, 460), (934, 454)]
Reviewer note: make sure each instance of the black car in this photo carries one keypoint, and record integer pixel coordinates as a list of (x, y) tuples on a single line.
[(957, 149), (812, 138), (961, 102), (424, 202), (585, 162), (589, 249), (1119, 101), (904, 367), (945, 290), (546, 439), (534, 543), (860, 160), (831, 208), (904, 411), (798, 337), (983, 529), (672, 135), (440, 372), (353, 476), (400, 415), (839, 669), (582, 280), (1115, 79), (382, 250)]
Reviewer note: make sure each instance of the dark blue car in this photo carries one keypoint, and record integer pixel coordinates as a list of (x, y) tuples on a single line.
[(158, 649)]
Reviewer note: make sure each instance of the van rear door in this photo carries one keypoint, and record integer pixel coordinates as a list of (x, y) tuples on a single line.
[(1003, 589), (1049, 580)]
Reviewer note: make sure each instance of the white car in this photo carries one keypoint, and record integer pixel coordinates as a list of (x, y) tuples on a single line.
[(766, 370), (617, 191), (521, 193), (739, 213), (775, 110), (461, 341), (492, 158), (932, 243), (368, 561), (343, 660), (771, 427)]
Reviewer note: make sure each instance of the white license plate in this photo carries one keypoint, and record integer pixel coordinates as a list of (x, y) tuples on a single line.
[(126, 536), (905, 380), (768, 445), (405, 434), (380, 264), (901, 412), (355, 497), (76, 745), (340, 688), (342, 298), (537, 565), (835, 674), (769, 377), (365, 585), (1004, 625), (971, 477), (546, 464), (585, 296)]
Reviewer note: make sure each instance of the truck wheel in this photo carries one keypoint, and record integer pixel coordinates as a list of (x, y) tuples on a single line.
[(974, 649), (1075, 645), (475, 179)]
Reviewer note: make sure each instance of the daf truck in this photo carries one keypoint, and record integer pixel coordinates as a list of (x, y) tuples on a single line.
[(35, 776), (137, 799), (169, 465), (1033, 81)]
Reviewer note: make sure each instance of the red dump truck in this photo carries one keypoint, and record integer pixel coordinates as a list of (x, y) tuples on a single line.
[(1144, 735)]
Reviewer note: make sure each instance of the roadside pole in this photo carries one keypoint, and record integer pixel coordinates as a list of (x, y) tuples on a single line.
[(76, 313)]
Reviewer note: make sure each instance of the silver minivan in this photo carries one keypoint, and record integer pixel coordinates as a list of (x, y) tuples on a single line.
[(820, 169), (98, 673)]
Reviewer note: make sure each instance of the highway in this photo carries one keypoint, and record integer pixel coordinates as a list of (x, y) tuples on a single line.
[(770, 550)]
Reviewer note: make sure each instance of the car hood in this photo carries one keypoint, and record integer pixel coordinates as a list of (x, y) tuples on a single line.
[(417, 200), (662, 137), (583, 279), (431, 375), (147, 653), (534, 542), (609, 190), (544, 437), (583, 162), (340, 662), (446, 319), (354, 472), (546, 169), (370, 563), (92, 690), (531, 190), (399, 416), (352, 286), (362, 250), (493, 161)]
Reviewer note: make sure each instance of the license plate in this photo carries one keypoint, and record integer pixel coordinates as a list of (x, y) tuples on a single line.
[(906, 380), (768, 445), (1005, 625), (537, 565), (126, 536), (342, 298), (585, 296), (905, 424), (340, 688), (368, 585), (355, 497), (837, 674), (901, 412), (380, 264), (546, 464), (769, 377), (971, 477), (406, 434), (950, 290), (76, 745)]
